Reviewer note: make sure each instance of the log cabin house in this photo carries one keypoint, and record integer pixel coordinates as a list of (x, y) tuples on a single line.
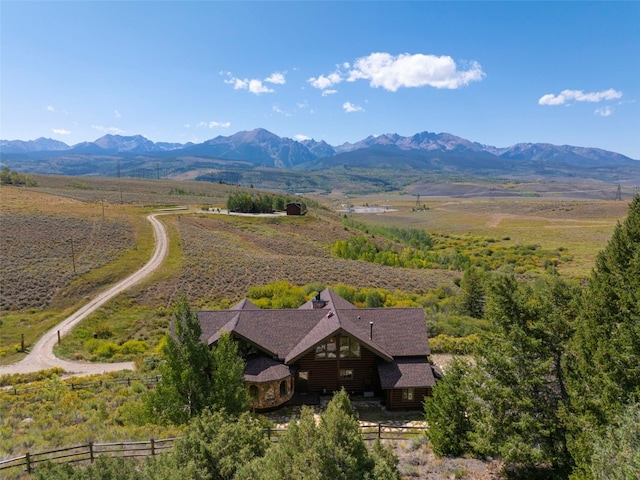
[(325, 345)]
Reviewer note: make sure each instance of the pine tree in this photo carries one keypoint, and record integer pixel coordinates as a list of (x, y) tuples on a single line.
[(603, 364), (518, 385), (446, 412), (473, 294)]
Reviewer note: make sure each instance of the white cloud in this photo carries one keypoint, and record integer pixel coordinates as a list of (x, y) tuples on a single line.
[(237, 83), (117, 114), (604, 111), (405, 70), (60, 131), (50, 108), (112, 130), (351, 108), (301, 137), (277, 109), (321, 82), (213, 124), (254, 85), (187, 125), (326, 93), (579, 96), (277, 78), (419, 70)]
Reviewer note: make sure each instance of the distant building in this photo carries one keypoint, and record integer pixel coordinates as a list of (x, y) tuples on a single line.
[(296, 208), (325, 345)]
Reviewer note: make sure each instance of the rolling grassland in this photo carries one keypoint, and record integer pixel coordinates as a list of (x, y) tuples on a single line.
[(214, 259)]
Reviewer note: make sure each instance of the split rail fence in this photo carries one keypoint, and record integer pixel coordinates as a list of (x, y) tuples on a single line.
[(89, 452)]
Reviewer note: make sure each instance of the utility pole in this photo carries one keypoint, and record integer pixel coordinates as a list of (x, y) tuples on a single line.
[(158, 170), (619, 193), (121, 202), (103, 209)]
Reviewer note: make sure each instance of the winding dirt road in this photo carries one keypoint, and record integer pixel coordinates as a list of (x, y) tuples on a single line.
[(41, 356)]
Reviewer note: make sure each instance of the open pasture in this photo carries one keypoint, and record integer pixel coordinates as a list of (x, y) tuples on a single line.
[(55, 252), (135, 191), (580, 227)]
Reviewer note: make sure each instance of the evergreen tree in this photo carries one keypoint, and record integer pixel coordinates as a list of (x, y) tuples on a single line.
[(446, 412), (518, 387), (603, 364), (616, 455), (473, 294), (333, 448), (215, 445)]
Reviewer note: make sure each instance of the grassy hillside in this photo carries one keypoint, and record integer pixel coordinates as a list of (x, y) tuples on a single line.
[(215, 258)]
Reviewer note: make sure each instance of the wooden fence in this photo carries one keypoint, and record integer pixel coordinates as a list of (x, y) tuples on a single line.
[(148, 381), (88, 453)]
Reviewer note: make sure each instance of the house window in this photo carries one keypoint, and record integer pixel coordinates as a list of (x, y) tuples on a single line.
[(349, 348), (346, 374), (407, 394), (326, 350), (283, 388), (253, 392)]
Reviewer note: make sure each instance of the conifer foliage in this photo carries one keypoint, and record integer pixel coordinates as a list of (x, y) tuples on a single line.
[(603, 365)]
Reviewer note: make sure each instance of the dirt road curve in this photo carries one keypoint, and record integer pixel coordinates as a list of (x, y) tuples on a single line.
[(41, 356)]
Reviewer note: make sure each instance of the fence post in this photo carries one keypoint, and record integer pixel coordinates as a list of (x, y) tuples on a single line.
[(379, 430), (153, 447), (27, 460), (128, 382), (91, 451)]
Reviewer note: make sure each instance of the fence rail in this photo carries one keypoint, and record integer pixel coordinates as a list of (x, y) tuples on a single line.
[(149, 381), (147, 448)]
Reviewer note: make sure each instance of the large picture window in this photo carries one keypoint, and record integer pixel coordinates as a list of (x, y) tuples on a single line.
[(327, 350), (349, 348)]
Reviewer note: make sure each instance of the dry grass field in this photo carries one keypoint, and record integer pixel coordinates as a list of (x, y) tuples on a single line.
[(582, 227), (215, 258)]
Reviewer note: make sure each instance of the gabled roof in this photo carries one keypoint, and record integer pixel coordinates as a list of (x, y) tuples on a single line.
[(261, 369), (245, 305), (406, 373), (288, 334)]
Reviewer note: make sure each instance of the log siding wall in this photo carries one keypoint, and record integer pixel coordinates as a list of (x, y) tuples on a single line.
[(325, 374), (395, 401)]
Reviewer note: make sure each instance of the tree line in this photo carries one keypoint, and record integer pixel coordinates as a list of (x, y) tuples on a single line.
[(256, 203), (10, 177)]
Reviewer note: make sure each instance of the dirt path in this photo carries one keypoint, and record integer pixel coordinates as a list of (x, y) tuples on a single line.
[(41, 356)]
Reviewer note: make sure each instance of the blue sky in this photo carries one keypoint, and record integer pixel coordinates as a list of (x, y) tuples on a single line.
[(498, 73)]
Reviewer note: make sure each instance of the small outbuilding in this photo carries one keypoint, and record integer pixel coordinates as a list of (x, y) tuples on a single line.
[(296, 208)]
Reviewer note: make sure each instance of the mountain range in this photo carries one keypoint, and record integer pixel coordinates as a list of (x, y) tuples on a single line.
[(426, 151)]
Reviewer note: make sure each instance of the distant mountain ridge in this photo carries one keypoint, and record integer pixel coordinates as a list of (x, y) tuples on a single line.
[(426, 151)]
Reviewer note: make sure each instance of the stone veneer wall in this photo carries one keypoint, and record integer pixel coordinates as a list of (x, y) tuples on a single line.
[(269, 394)]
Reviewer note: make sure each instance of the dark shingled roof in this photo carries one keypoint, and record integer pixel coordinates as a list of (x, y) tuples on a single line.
[(412, 372), (263, 369), (289, 334)]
